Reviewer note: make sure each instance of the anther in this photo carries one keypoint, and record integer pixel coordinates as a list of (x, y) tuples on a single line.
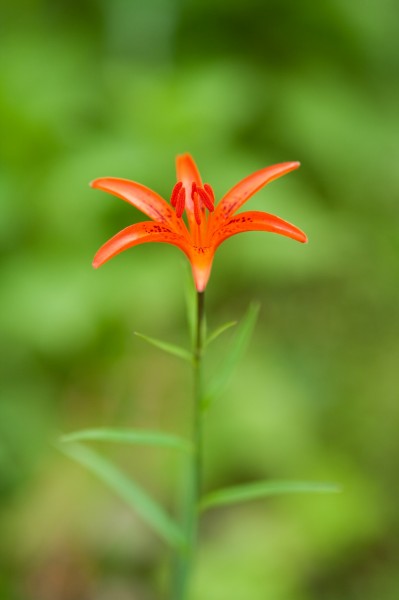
[(210, 193), (205, 199), (180, 201), (175, 193)]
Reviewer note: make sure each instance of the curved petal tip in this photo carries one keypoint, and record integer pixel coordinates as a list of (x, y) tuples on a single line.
[(96, 183), (186, 169)]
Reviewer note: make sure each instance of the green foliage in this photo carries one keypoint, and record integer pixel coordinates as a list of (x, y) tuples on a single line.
[(218, 384), (129, 436), (166, 347), (126, 489), (263, 489), (218, 331)]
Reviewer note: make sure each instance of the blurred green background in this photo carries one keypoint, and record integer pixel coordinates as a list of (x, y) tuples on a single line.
[(95, 88)]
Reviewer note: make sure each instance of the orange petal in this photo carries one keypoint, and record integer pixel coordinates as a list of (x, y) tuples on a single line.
[(201, 264), (146, 200), (139, 233), (246, 188), (257, 221), (187, 171)]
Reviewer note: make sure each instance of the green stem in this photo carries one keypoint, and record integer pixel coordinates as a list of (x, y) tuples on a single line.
[(185, 558)]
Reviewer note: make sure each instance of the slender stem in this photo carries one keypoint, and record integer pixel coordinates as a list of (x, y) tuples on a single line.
[(198, 392), (185, 559)]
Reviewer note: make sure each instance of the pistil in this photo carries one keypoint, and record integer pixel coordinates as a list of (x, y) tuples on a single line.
[(194, 197)]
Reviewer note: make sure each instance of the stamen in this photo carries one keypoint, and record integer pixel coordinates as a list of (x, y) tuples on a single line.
[(180, 201), (210, 193), (205, 199), (175, 193)]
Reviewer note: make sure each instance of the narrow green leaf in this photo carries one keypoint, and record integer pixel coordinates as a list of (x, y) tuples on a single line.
[(219, 330), (171, 348), (262, 489), (233, 357), (129, 436), (126, 489)]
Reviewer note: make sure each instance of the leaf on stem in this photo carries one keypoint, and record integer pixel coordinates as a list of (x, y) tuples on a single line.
[(166, 347), (126, 489), (219, 330), (234, 355), (263, 489), (129, 436)]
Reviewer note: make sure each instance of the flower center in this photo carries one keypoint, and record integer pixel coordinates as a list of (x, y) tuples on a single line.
[(202, 197)]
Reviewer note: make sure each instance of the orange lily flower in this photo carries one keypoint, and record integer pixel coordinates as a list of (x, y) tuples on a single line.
[(207, 225)]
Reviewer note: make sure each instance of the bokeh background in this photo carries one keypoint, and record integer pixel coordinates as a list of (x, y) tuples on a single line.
[(95, 88)]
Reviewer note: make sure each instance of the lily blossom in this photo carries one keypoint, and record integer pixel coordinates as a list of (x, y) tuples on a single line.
[(208, 225)]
